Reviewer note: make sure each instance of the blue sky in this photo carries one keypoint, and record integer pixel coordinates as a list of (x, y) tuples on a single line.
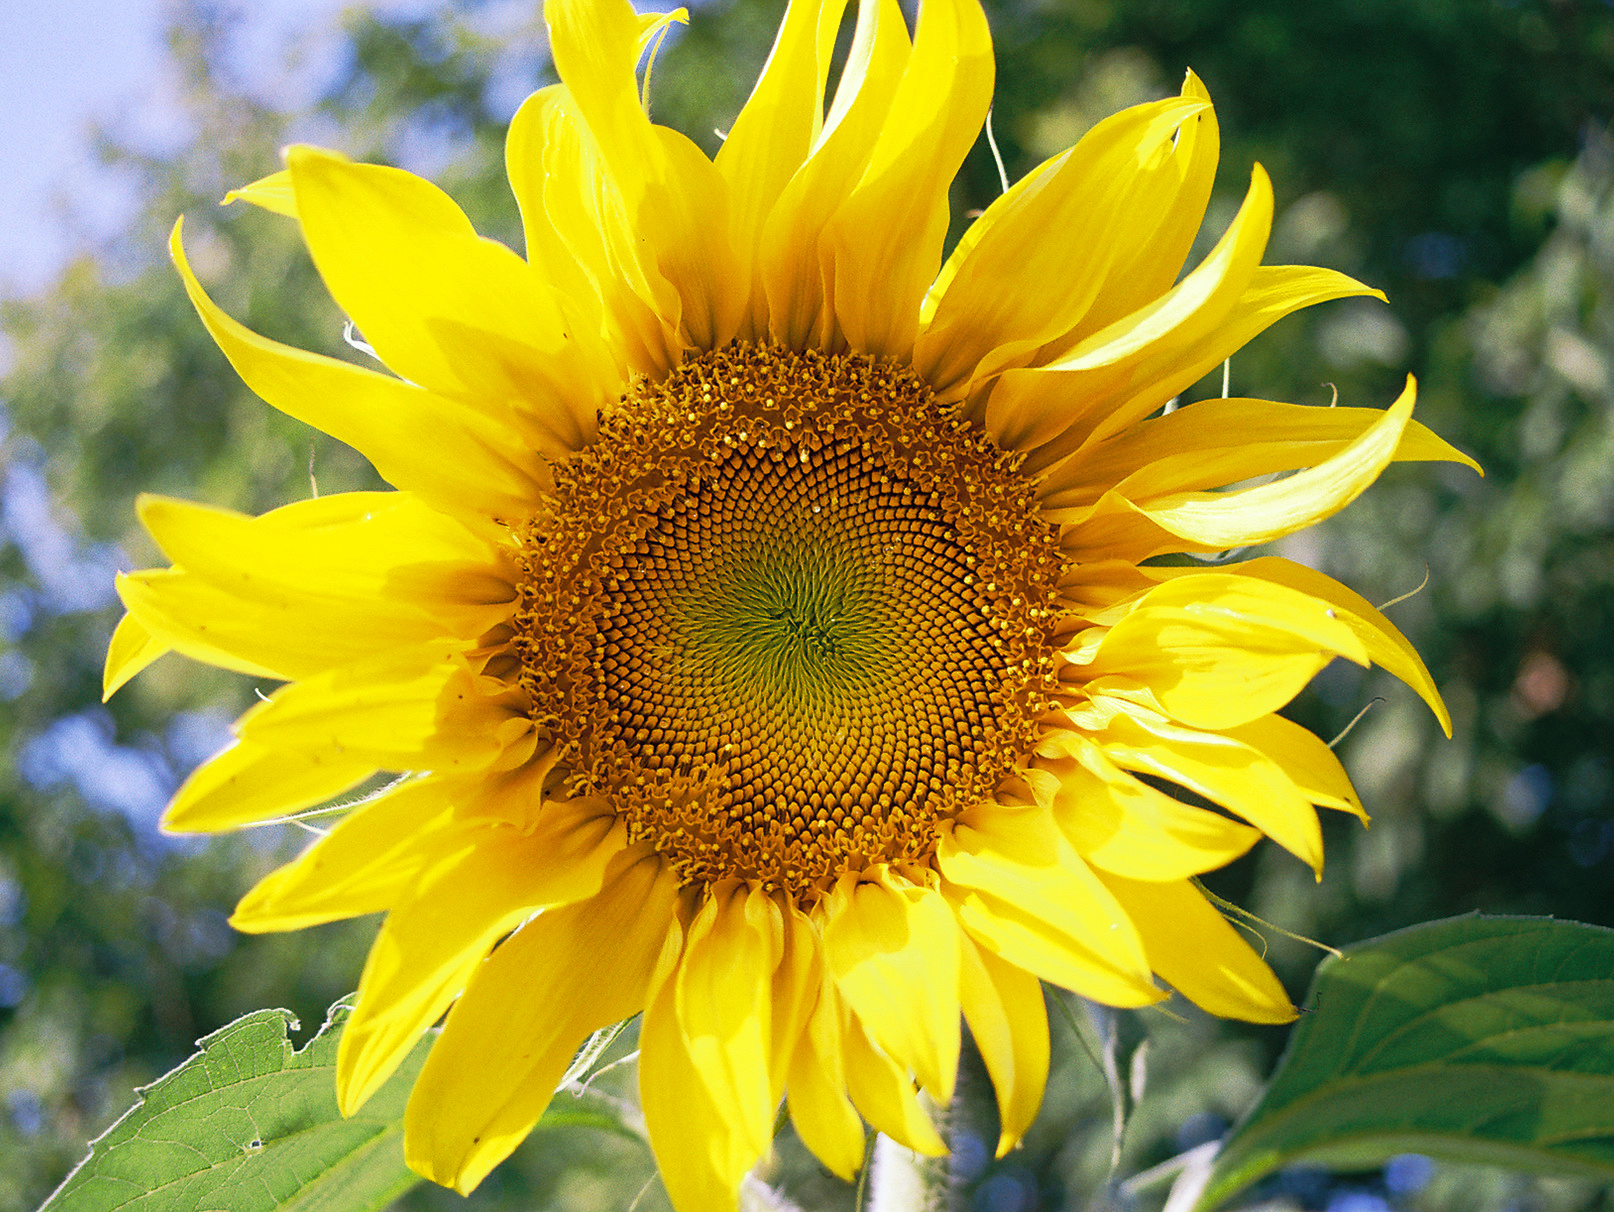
[(64, 64)]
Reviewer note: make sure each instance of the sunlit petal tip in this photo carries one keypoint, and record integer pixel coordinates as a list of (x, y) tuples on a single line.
[(651, 24), (132, 649), (272, 193)]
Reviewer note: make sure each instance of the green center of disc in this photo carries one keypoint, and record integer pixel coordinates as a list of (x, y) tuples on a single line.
[(787, 627)]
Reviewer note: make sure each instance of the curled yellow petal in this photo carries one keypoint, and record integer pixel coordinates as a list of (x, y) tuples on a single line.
[(1120, 824), (1017, 279), (884, 1092), (1213, 654), (1385, 645), (495, 877), (820, 1109), (936, 113), (1204, 521)]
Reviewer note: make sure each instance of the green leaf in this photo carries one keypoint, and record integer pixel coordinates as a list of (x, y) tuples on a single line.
[(250, 1124), (1480, 1039)]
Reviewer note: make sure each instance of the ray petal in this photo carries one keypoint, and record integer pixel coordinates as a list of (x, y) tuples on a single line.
[(1197, 305), (796, 267), (249, 783), (1030, 267), (774, 133), (893, 951), (445, 308), (823, 1114), (1193, 947), (567, 972), (707, 1046), (1004, 1008), (1122, 825), (365, 864), (459, 460), (1212, 654), (935, 115), (131, 649), (676, 201)]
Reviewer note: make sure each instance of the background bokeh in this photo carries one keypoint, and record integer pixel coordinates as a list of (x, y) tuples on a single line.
[(1455, 153)]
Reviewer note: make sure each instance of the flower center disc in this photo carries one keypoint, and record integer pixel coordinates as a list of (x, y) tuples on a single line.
[(786, 614)]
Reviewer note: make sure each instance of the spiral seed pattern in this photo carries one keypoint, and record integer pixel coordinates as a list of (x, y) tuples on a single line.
[(787, 614)]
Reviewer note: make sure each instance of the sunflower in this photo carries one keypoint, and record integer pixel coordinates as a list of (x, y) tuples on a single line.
[(766, 628)]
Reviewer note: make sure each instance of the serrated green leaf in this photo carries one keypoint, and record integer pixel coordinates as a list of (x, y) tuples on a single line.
[(1482, 1039), (250, 1124)]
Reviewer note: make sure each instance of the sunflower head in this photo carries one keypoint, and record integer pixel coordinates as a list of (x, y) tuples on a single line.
[(768, 624)]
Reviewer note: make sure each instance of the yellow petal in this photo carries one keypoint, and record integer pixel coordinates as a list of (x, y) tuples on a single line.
[(773, 134), (1386, 646), (824, 1117), (796, 984), (445, 308), (1017, 278), (1193, 947), (935, 115), (365, 864), (1014, 932), (1018, 856), (1305, 758), (494, 877), (459, 460), (1223, 770), (797, 267), (1165, 218), (883, 1091), (723, 1000), (249, 783), (706, 1048), (508, 1041), (151, 597), (1213, 654), (892, 949), (1273, 292), (1004, 1009), (1197, 305), (1202, 521), (355, 539), (283, 631), (1218, 442), (1105, 401), (131, 649), (580, 236), (674, 197), (414, 710), (697, 1148), (273, 193), (349, 574), (537, 150), (1122, 825)]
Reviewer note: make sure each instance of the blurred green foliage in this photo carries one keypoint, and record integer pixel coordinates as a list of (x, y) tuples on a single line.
[(1452, 152)]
